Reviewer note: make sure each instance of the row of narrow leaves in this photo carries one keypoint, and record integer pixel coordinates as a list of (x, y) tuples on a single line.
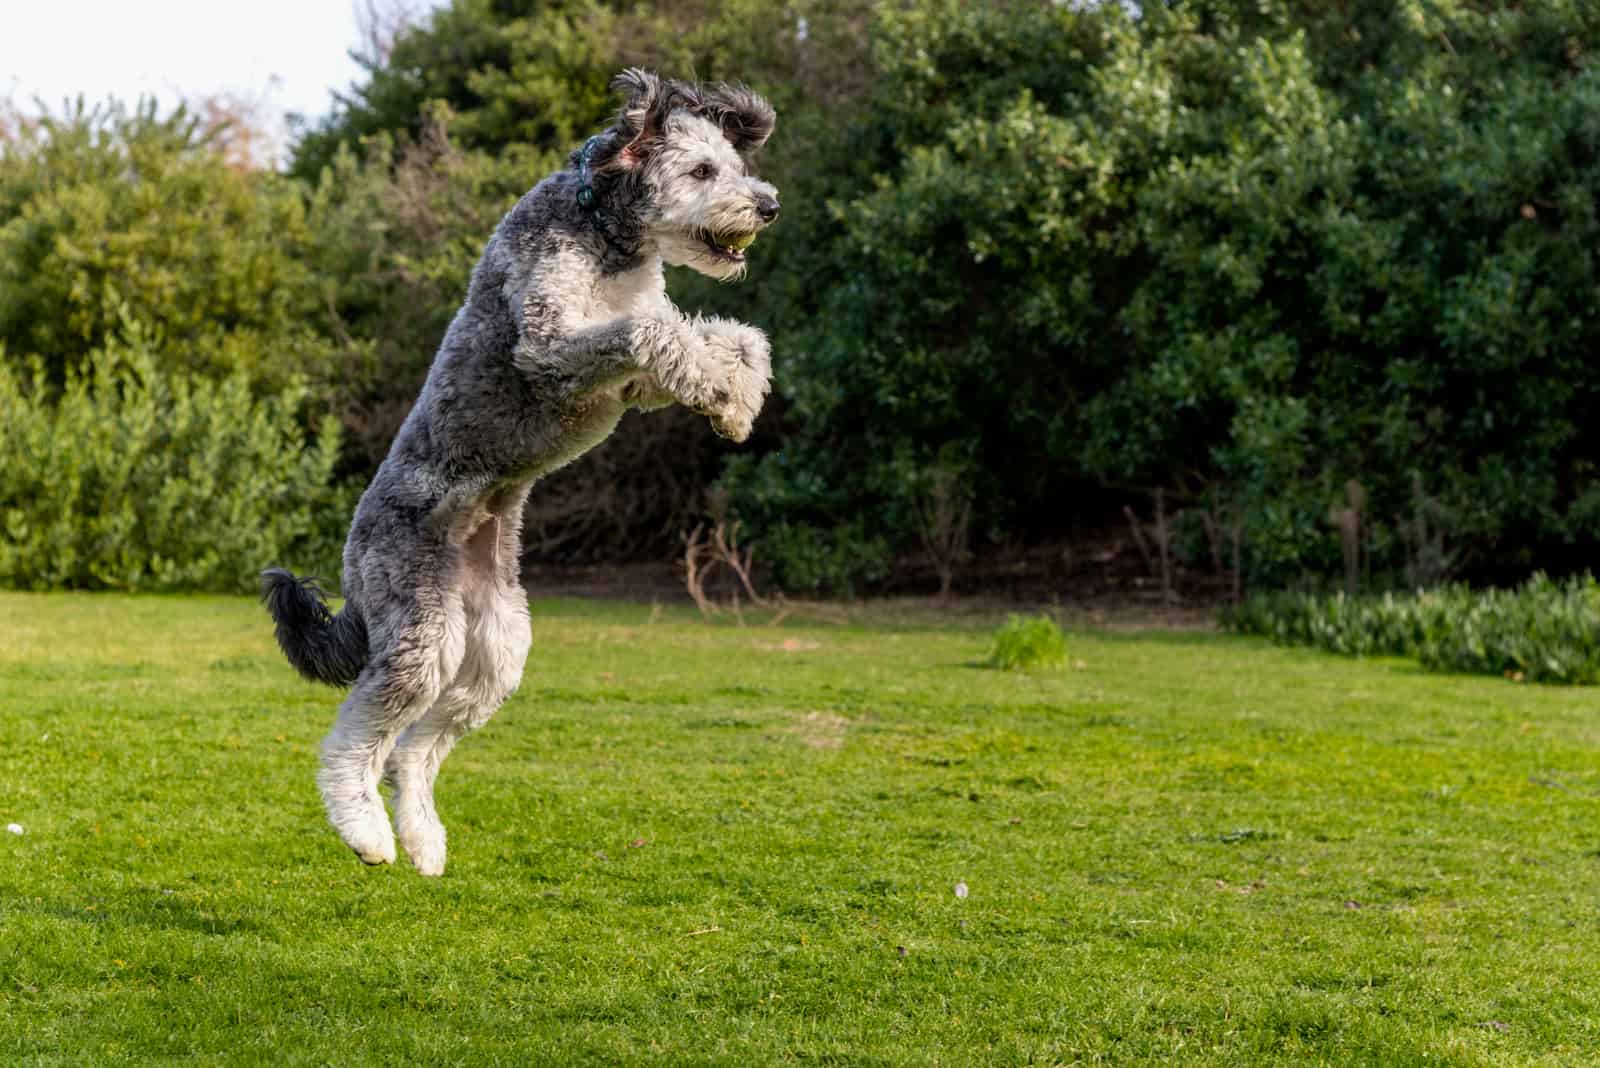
[(1542, 631)]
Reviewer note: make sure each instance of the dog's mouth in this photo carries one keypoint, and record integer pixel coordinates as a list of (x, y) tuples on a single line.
[(728, 247)]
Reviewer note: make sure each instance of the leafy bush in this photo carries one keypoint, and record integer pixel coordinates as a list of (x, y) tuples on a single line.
[(1244, 251), (130, 477), (1543, 631), (1387, 625), (1236, 249), (1028, 642), (107, 208), (833, 560)]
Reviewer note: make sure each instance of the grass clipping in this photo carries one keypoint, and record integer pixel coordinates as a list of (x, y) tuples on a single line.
[(1028, 642)]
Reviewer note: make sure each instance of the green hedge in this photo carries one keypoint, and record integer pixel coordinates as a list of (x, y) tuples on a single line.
[(1543, 631), (129, 477)]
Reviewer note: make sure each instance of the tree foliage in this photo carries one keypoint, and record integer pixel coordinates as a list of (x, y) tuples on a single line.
[(1035, 258), (108, 208), (536, 72), (1235, 251)]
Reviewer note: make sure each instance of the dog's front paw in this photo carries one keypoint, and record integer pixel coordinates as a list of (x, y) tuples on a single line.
[(740, 374)]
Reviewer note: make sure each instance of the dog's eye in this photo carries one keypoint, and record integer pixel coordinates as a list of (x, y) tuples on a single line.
[(704, 171)]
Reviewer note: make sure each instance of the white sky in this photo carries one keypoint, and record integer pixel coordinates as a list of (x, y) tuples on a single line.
[(287, 54)]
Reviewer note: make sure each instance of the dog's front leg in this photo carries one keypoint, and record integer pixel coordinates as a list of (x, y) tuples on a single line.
[(646, 394), (717, 367), (697, 362), (737, 356), (584, 362), (713, 366)]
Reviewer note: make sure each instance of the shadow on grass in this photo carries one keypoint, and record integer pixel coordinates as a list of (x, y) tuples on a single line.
[(166, 914)]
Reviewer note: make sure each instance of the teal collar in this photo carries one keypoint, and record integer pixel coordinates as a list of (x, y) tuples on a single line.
[(586, 198)]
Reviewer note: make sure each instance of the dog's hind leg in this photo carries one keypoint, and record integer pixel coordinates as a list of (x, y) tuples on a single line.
[(422, 646), (497, 638)]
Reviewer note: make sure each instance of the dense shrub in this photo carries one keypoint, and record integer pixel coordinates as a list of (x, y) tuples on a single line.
[(1245, 252), (137, 478), (939, 292), (809, 559), (111, 207), (1543, 631)]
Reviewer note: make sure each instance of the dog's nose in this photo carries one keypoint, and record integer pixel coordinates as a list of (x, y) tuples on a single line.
[(767, 208)]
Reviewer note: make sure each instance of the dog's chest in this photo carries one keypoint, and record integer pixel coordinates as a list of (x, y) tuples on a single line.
[(641, 291)]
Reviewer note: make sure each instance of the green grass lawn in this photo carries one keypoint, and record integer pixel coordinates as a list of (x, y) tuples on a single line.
[(692, 844)]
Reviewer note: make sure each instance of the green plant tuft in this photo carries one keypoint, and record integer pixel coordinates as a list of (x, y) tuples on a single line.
[(1028, 642)]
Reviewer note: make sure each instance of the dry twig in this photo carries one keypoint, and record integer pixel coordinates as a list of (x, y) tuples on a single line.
[(704, 550)]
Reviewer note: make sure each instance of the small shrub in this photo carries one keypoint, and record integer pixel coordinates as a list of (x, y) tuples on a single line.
[(1543, 631), (1028, 642)]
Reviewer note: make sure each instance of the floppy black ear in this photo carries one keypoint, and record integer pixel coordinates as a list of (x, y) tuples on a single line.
[(745, 117)]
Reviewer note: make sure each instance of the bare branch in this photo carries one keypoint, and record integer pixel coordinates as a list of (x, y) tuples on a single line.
[(944, 518), (705, 551), (380, 24), (1138, 538)]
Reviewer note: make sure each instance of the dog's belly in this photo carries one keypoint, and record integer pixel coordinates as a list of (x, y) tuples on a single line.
[(583, 426), (480, 576)]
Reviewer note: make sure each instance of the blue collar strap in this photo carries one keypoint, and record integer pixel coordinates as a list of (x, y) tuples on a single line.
[(586, 199)]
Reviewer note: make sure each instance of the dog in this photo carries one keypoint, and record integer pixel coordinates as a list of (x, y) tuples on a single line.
[(566, 326)]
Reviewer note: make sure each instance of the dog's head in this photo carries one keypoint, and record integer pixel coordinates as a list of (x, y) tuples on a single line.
[(677, 158)]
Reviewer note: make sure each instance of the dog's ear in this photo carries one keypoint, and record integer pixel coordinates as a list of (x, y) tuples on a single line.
[(640, 90), (646, 99), (745, 117)]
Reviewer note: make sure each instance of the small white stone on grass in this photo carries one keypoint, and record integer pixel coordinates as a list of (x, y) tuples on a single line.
[(14, 828), (961, 890)]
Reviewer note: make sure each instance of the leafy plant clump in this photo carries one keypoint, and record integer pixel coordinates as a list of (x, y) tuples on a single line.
[(1542, 631), (132, 477), (1028, 642)]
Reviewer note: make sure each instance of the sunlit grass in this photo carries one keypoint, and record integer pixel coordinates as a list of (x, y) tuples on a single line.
[(682, 843)]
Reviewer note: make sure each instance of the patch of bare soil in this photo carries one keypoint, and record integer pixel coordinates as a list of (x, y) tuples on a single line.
[(819, 730)]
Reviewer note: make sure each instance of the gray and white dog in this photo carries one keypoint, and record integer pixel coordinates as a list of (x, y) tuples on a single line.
[(566, 325)]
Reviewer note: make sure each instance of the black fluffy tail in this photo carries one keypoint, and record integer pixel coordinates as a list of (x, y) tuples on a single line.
[(323, 647)]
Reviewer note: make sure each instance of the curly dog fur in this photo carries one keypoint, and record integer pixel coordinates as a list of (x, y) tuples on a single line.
[(566, 325)]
